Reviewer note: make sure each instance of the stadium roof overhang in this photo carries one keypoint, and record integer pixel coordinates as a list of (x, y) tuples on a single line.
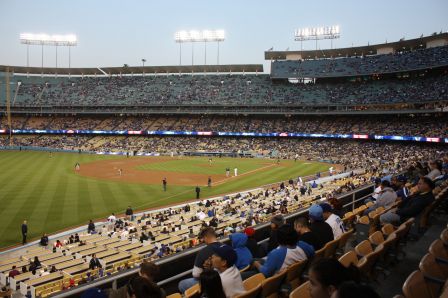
[(356, 51), (129, 70)]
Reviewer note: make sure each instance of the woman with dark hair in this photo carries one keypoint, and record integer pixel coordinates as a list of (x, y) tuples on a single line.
[(211, 286), (36, 263), (140, 287), (326, 276)]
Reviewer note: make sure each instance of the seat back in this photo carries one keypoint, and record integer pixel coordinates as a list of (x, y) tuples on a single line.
[(387, 229), (364, 248), (193, 294), (444, 237), (367, 263), (175, 295), (319, 254), (253, 293), (362, 228), (270, 287), (303, 291), (416, 286), (330, 248), (349, 258), (294, 273), (192, 291), (348, 219), (438, 250), (344, 238), (433, 270), (253, 281), (376, 238)]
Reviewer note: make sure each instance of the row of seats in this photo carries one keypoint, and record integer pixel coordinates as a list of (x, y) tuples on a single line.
[(431, 278)]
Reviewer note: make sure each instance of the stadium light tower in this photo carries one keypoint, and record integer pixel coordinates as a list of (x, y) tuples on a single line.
[(317, 33), (69, 40), (193, 36)]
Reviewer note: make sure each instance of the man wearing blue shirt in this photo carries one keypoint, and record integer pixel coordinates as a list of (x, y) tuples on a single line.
[(286, 254)]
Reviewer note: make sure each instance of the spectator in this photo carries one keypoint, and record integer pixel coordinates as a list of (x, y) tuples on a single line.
[(57, 244), (252, 244), (129, 213), (435, 169), (401, 190), (414, 205), (327, 275), (44, 240), (283, 256), (333, 220), (244, 256), (149, 271), (319, 227), (276, 222), (14, 272), (223, 260), (302, 227), (91, 227), (94, 263), (386, 197), (203, 257), (376, 191), (211, 285), (140, 287)]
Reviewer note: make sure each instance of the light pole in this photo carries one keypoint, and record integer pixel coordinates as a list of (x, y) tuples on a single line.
[(317, 33), (143, 70), (69, 40), (193, 36)]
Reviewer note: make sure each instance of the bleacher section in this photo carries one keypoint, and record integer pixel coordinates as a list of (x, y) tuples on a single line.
[(362, 65)]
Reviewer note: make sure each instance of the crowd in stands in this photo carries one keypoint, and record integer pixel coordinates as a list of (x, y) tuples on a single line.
[(288, 244), (414, 125), (362, 65), (371, 153), (234, 90)]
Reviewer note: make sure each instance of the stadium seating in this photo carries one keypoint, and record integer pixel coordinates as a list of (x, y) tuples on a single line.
[(364, 65)]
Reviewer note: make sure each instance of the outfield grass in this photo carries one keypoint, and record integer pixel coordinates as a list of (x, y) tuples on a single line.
[(201, 165), (48, 193)]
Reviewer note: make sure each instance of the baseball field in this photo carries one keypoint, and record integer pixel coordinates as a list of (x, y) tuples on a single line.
[(46, 190)]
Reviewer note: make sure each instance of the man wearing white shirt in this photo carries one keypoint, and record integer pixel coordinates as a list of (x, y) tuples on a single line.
[(112, 218), (223, 260), (201, 215), (333, 220)]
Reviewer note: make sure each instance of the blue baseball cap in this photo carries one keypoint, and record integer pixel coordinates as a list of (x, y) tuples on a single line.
[(227, 253), (315, 212)]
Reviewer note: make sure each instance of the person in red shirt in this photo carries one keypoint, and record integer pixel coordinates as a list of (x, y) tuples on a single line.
[(14, 272)]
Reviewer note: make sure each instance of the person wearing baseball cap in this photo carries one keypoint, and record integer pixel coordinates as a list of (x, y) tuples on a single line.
[(318, 226), (223, 259), (207, 236), (401, 190), (413, 206), (276, 222), (252, 244), (333, 220)]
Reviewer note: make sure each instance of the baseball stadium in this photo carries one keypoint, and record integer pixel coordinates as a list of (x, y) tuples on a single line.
[(318, 172)]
